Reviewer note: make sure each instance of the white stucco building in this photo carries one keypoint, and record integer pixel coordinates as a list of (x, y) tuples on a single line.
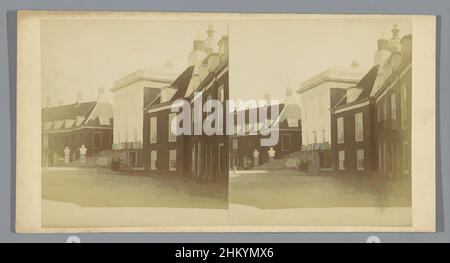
[(315, 102), (131, 94)]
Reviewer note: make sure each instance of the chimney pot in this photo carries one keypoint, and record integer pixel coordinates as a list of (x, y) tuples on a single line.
[(355, 64)]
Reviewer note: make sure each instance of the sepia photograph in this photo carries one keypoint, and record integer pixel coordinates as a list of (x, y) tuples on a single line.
[(106, 118), (215, 122), (343, 88)]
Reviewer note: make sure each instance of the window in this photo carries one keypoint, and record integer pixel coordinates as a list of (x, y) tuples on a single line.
[(378, 113), (172, 160), (393, 107), (404, 106), (360, 159), (221, 93), (235, 143), (341, 160), (153, 129), (172, 135), (340, 130), (153, 160), (359, 127), (97, 140), (406, 157), (286, 142), (385, 109), (315, 136)]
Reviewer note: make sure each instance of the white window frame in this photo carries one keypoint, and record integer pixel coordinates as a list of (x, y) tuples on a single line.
[(153, 129), (340, 130), (359, 127), (221, 93), (341, 160), (360, 159), (173, 160), (171, 136), (153, 159)]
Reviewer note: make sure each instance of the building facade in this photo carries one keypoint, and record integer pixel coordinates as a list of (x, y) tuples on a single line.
[(71, 129), (246, 151), (373, 131), (131, 94), (199, 156), (352, 136), (393, 111), (315, 101)]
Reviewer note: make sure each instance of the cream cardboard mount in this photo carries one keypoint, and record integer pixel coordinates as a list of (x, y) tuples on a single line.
[(63, 185)]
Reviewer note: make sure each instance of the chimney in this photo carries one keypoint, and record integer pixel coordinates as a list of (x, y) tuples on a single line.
[(79, 96), (354, 64), (383, 44), (48, 102)]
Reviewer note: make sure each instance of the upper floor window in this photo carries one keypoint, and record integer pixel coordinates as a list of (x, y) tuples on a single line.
[(359, 127), (172, 135), (153, 130), (221, 93), (340, 130), (393, 107), (385, 109), (404, 105)]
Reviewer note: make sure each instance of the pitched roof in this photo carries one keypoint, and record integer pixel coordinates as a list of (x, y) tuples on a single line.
[(69, 111), (366, 83), (182, 83)]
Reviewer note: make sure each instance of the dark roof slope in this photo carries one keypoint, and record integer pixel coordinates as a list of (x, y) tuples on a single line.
[(182, 83), (367, 82), (69, 111)]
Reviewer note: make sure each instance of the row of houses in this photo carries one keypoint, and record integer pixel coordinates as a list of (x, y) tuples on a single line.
[(140, 136), (356, 120), (350, 119)]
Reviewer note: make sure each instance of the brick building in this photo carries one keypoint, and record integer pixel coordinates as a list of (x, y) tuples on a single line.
[(74, 125)]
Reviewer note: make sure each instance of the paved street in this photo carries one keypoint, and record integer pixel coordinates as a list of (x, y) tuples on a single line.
[(292, 189), (90, 187)]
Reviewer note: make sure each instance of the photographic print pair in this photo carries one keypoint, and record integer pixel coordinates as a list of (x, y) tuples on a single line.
[(175, 122)]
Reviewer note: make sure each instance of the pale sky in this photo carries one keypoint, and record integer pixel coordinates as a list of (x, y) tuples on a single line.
[(88, 54), (268, 56)]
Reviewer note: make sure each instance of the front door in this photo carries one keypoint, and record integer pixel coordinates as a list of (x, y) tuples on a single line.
[(132, 159)]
